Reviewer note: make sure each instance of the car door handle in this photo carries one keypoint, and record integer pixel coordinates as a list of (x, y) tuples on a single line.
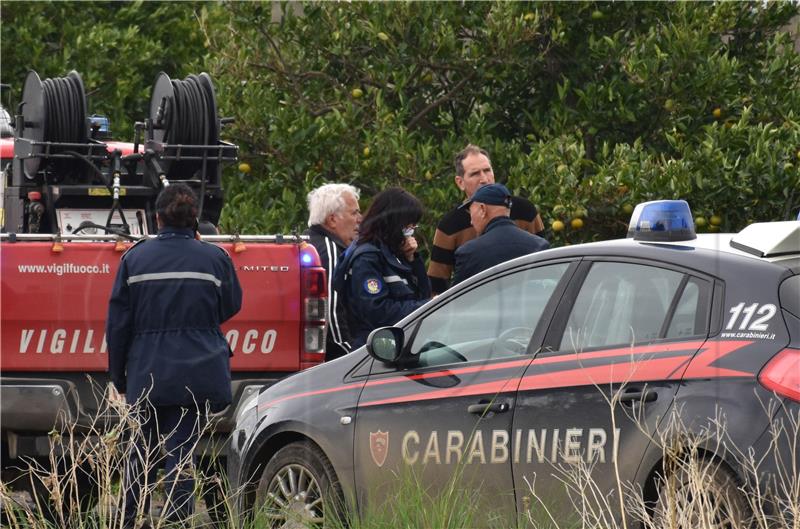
[(633, 396), (487, 407)]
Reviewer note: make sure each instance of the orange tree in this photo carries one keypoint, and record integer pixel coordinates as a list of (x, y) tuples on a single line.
[(587, 108)]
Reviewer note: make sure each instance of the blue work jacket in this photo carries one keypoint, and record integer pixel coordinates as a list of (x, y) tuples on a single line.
[(378, 288), (501, 241), (163, 331)]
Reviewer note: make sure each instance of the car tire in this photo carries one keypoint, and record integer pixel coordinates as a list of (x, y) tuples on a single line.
[(298, 487), (701, 493)]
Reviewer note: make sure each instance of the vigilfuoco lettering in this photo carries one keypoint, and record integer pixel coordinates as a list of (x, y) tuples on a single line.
[(65, 268), (55, 341), (252, 340)]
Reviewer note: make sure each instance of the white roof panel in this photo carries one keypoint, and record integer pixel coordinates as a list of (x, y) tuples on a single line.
[(769, 239)]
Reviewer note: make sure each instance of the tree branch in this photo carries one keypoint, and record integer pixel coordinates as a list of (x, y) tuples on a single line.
[(444, 99)]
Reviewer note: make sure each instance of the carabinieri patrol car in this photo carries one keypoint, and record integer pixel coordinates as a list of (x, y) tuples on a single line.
[(580, 357)]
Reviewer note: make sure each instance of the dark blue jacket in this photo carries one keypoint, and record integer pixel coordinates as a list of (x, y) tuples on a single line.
[(501, 241), (378, 288), (169, 298), (330, 249)]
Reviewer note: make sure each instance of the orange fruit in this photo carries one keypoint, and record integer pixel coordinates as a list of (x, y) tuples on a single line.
[(715, 220), (576, 223), (244, 167), (557, 225)]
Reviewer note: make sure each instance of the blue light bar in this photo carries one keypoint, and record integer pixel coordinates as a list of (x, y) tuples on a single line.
[(101, 124), (662, 220), (306, 258)]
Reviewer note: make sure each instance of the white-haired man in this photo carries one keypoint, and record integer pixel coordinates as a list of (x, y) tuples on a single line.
[(333, 220)]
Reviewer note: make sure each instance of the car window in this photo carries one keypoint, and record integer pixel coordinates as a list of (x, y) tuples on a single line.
[(494, 319), (622, 304), (689, 316)]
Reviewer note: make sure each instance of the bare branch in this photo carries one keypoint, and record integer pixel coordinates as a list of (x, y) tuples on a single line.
[(445, 98)]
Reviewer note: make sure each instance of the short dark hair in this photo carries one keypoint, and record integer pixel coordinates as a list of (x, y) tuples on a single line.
[(206, 227), (177, 206), (392, 210), (466, 151)]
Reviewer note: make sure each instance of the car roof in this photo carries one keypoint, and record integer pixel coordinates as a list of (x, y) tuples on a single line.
[(766, 244)]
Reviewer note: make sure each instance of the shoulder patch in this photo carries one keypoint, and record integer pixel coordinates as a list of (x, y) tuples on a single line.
[(373, 286)]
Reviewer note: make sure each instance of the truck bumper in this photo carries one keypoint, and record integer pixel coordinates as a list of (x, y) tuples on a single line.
[(34, 406)]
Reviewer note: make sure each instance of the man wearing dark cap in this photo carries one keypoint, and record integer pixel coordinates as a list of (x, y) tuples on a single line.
[(499, 238), (473, 169)]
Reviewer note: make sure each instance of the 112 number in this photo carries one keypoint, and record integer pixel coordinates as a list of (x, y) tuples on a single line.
[(766, 311)]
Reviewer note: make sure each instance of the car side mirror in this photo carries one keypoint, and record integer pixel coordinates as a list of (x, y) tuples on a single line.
[(386, 344)]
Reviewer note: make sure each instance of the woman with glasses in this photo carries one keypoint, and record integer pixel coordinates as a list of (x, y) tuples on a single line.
[(381, 278)]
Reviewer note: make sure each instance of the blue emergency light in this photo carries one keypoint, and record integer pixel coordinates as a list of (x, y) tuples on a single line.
[(306, 258), (662, 220), (100, 125), (101, 122)]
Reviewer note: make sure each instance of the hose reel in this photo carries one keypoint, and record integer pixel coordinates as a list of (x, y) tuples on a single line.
[(184, 128), (53, 111), (183, 116)]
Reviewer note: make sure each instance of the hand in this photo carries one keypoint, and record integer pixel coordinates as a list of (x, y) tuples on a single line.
[(409, 248), (115, 398)]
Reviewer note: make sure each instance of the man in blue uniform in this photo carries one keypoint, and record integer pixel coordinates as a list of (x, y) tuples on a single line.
[(167, 354), (499, 239)]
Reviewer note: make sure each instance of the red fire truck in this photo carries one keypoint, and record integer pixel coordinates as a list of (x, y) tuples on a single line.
[(73, 202)]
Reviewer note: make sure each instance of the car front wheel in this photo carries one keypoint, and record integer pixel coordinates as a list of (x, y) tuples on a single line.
[(297, 488)]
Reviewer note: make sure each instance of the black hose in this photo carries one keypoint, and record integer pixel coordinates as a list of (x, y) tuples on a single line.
[(189, 123), (64, 120), (116, 231), (93, 166)]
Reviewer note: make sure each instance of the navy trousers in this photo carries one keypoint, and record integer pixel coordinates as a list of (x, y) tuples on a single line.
[(178, 429)]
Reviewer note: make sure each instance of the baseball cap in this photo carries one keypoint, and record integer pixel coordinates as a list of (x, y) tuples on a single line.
[(491, 194)]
